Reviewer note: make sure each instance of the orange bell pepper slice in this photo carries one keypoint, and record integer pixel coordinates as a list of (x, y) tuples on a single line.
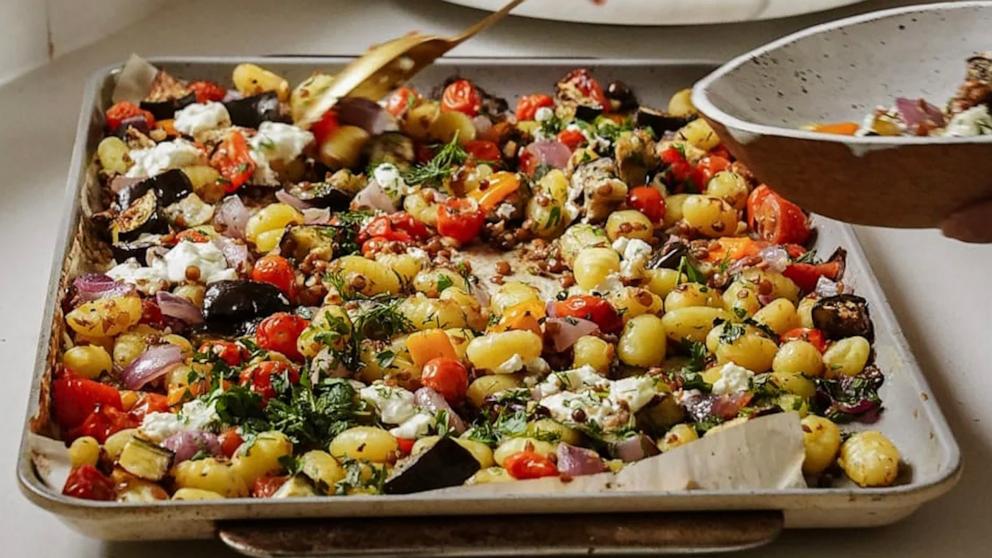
[(839, 128), (501, 186), (429, 344)]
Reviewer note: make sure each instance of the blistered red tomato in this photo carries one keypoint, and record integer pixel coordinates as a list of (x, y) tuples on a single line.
[(230, 441), (74, 399), (101, 423), (148, 403), (228, 351), (648, 201), (447, 376), (151, 314), (276, 271), (233, 161), (587, 85), (528, 104), (460, 219), (279, 332), (325, 127), (405, 445), (400, 101), (89, 483), (207, 91), (813, 336), (461, 96), (571, 138), (679, 169), (775, 218), (706, 168), (259, 377), (267, 485), (529, 464), (399, 226), (806, 275), (589, 307), (123, 110), (482, 150)]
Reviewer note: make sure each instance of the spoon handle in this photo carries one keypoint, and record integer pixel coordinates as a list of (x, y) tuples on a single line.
[(486, 22)]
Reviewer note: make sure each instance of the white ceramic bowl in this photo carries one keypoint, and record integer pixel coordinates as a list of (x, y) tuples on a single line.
[(838, 72)]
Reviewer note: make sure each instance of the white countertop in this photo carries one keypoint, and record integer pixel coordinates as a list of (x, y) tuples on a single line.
[(937, 287)]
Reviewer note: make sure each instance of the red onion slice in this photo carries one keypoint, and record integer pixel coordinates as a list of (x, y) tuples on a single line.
[(93, 286), (373, 197), (233, 216), (482, 124), (289, 199), (565, 332), (427, 398), (919, 116), (178, 307), (551, 153), (366, 114), (235, 252), (151, 364), (314, 216), (775, 257), (635, 448), (575, 461), (187, 444)]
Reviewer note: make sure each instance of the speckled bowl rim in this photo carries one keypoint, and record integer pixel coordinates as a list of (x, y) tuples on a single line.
[(744, 130)]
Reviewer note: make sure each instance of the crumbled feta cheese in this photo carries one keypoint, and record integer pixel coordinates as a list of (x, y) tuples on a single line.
[(563, 405), (620, 244), (635, 391), (417, 426), (276, 141), (512, 364), (611, 283), (197, 415), (544, 114), (537, 365), (505, 211), (164, 156), (388, 176), (394, 404), (577, 378), (201, 117), (733, 379), (975, 121), (635, 255), (146, 279), (205, 256)]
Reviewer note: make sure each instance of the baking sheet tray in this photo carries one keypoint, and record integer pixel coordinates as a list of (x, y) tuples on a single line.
[(912, 419)]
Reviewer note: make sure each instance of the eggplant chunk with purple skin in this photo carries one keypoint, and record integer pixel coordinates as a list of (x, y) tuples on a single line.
[(230, 305), (250, 112), (144, 216), (169, 187), (445, 464), (843, 315)]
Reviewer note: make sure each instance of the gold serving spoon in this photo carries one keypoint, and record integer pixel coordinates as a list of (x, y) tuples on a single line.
[(388, 65)]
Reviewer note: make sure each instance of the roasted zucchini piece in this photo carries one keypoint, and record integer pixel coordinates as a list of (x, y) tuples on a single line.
[(145, 460), (321, 194), (299, 241)]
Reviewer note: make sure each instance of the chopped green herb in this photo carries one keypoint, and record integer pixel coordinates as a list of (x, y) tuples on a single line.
[(440, 167)]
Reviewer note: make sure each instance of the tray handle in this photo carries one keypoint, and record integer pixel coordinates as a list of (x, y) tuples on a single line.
[(516, 535)]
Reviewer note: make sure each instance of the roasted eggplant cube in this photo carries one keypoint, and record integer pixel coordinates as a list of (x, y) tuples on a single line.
[(299, 241), (143, 216), (229, 305), (321, 194), (136, 249), (145, 460), (622, 95), (658, 121), (169, 187), (390, 147), (843, 315), (250, 112), (166, 108), (443, 465)]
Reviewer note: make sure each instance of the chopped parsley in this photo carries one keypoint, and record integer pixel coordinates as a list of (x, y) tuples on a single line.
[(440, 167)]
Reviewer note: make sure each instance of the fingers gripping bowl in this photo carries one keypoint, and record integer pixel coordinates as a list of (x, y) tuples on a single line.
[(372, 445)]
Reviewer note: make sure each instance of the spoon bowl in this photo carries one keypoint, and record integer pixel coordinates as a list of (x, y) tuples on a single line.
[(759, 102)]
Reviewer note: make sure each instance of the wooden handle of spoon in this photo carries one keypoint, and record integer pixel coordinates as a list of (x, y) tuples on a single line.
[(486, 22)]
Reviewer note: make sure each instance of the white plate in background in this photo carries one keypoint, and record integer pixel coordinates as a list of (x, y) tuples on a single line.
[(660, 12)]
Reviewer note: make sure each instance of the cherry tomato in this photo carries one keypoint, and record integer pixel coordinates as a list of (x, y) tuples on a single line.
[(446, 376), (230, 352), (325, 127), (267, 485), (89, 483), (101, 423), (399, 226), (529, 464), (806, 275), (706, 168), (583, 81), (279, 332), (405, 445), (722, 151), (648, 201), (571, 138), (592, 308), (276, 271), (148, 403), (528, 104), (424, 153), (754, 201), (400, 101), (76, 398), (233, 161), (776, 219), (813, 336), (460, 219), (679, 169), (151, 314), (461, 96), (374, 245), (482, 150), (259, 377), (230, 441), (207, 91), (123, 110), (527, 162)]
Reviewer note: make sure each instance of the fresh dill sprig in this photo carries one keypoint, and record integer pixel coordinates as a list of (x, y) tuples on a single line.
[(440, 167)]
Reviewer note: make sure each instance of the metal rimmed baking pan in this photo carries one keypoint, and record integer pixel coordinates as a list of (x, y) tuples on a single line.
[(912, 418)]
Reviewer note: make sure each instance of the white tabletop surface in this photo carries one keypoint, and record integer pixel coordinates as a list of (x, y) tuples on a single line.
[(938, 288)]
